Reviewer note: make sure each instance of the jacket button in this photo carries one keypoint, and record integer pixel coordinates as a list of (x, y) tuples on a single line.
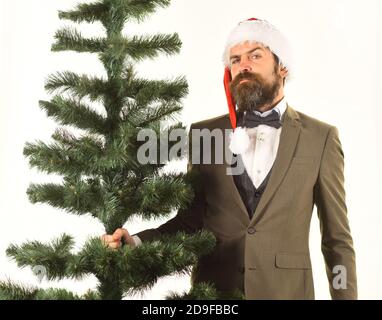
[(257, 194), (251, 230)]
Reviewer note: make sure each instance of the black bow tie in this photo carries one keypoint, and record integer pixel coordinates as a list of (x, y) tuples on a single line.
[(252, 120)]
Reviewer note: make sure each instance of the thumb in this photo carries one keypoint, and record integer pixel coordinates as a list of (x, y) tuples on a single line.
[(119, 234)]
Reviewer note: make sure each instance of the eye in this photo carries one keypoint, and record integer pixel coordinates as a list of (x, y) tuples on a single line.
[(234, 61), (255, 56)]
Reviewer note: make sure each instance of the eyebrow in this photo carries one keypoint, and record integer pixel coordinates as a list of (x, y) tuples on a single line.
[(250, 51)]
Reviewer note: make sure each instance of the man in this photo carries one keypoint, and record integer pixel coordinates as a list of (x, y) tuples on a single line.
[(261, 216)]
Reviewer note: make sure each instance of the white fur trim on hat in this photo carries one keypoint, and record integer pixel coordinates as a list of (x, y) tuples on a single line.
[(265, 33)]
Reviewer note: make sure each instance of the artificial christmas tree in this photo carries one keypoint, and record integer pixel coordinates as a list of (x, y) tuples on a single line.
[(101, 174)]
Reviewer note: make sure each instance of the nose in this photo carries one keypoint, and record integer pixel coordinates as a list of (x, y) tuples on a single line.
[(244, 66), (245, 69)]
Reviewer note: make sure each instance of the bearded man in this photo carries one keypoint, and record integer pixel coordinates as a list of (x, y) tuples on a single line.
[(261, 216)]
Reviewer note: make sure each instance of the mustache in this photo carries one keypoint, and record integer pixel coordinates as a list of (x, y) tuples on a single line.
[(245, 76)]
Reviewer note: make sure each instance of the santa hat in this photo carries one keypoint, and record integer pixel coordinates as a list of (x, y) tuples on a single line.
[(260, 31)]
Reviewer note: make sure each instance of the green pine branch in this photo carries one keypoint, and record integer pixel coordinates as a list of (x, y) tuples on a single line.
[(175, 254), (69, 38), (170, 142), (159, 141), (108, 11), (75, 197), (132, 268), (85, 157), (72, 112), (135, 268), (143, 47), (148, 91), (86, 12), (78, 85), (137, 48), (12, 291), (200, 291), (111, 213), (160, 195), (53, 257), (149, 117)]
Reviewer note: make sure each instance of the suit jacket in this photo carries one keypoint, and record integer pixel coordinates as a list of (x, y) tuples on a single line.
[(267, 256)]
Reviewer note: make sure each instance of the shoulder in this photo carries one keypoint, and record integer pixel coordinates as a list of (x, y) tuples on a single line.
[(312, 124)]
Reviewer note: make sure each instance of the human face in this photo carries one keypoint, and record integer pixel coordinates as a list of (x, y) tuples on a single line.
[(252, 57), (257, 79)]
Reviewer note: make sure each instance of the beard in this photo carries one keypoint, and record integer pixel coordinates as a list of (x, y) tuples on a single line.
[(255, 93)]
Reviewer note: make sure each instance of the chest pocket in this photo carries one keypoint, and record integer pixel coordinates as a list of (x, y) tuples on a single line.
[(302, 173)]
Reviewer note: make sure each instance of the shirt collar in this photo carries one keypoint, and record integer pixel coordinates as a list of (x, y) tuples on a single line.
[(280, 108)]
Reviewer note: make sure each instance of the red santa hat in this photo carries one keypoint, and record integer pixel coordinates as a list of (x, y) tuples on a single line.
[(260, 31)]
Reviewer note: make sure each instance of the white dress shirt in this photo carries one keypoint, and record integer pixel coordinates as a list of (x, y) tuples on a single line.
[(258, 159)]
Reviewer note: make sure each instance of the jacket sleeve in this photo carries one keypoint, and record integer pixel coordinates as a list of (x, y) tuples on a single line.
[(190, 219), (337, 242)]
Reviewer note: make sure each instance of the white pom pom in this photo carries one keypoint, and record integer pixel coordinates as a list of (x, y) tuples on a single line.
[(239, 141)]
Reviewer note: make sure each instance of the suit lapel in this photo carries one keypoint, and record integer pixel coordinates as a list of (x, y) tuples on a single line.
[(291, 127), (229, 182), (236, 194)]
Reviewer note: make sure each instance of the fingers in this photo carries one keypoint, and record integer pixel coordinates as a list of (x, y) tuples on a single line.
[(115, 244), (110, 242), (106, 238), (114, 241), (121, 233)]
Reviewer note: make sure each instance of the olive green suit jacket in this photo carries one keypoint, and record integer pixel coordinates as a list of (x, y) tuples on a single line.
[(267, 257)]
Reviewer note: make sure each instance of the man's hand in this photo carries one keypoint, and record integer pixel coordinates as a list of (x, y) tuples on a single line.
[(114, 240)]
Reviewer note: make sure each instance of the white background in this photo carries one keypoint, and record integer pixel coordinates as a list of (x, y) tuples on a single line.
[(336, 79)]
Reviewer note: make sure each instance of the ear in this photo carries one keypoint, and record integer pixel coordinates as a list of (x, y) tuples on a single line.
[(283, 71)]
